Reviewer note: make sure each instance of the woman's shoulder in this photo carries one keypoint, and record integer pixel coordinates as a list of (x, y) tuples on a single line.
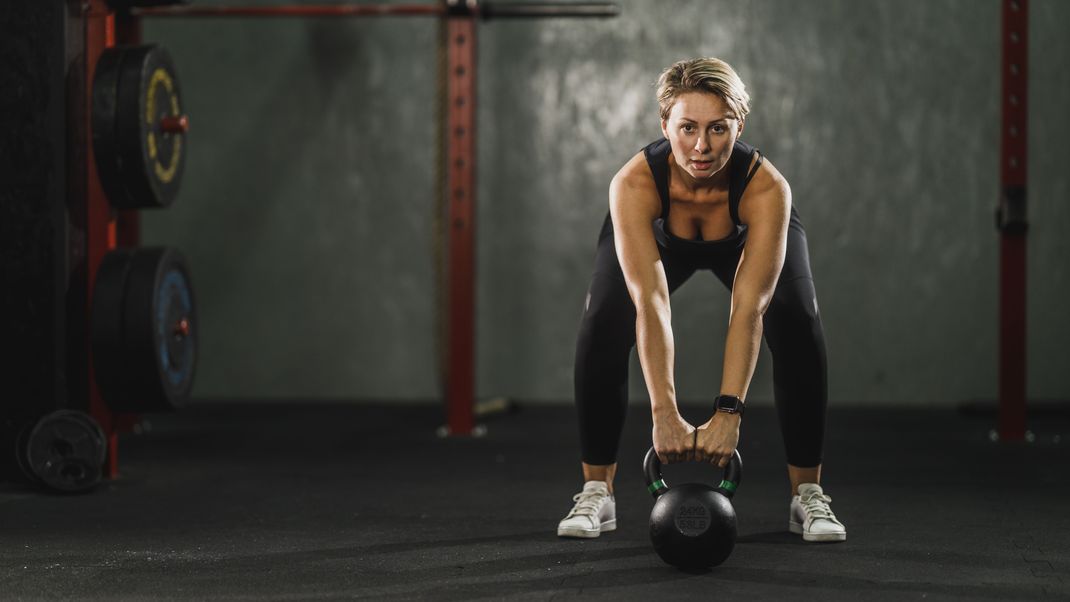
[(757, 166), (638, 169), (768, 191), (632, 191), (634, 176)]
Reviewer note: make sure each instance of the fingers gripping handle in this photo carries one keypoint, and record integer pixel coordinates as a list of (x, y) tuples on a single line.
[(656, 485)]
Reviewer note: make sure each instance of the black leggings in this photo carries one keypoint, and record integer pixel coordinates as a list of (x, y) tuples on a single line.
[(792, 330)]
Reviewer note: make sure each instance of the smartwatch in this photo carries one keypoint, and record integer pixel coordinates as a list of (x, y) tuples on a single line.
[(730, 404)]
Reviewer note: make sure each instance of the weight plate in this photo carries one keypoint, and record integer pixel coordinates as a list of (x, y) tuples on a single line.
[(70, 475), (149, 96), (106, 323), (161, 324), (66, 450), (139, 129), (144, 330), (92, 426), (105, 102)]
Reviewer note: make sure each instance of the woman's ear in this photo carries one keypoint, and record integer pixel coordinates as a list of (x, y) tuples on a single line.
[(664, 128)]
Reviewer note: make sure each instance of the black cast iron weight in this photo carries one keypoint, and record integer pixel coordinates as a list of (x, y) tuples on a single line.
[(692, 526)]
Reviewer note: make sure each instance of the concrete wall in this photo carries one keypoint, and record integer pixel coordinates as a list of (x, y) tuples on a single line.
[(307, 208)]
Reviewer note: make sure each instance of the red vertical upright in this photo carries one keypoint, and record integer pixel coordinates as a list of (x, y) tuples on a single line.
[(461, 196), (1011, 218)]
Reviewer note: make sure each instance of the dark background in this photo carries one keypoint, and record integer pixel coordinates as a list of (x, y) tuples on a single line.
[(307, 208)]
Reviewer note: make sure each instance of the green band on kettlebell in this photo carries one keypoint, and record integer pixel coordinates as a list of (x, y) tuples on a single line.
[(656, 486), (728, 486)]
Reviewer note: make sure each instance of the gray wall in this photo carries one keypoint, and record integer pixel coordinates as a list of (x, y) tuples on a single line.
[(307, 209)]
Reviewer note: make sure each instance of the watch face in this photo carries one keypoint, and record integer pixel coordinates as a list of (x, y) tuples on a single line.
[(729, 403)]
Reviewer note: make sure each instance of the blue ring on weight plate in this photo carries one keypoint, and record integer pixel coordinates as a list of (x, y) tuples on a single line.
[(174, 287)]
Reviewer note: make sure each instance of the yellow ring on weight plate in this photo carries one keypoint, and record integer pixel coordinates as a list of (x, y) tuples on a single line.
[(160, 77)]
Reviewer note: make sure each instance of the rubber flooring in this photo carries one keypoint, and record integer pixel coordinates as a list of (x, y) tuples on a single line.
[(302, 501)]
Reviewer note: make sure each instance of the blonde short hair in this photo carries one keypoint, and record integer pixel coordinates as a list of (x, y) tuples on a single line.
[(703, 75)]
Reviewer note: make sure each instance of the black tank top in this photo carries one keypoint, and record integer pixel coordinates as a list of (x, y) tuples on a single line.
[(657, 154)]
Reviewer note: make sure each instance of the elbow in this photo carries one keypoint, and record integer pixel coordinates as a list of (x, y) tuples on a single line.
[(651, 305), (751, 307)]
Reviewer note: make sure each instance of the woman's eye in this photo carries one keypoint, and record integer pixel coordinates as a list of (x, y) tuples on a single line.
[(689, 128), (719, 129)]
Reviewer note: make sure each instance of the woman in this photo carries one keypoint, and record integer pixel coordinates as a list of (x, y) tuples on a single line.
[(701, 199)]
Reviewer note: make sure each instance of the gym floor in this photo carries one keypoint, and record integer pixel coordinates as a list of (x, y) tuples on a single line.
[(311, 501)]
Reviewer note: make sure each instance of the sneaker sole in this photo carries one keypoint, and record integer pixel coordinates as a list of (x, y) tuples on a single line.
[(609, 525), (797, 529)]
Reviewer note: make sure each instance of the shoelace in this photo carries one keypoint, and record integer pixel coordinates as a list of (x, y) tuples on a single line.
[(587, 504), (816, 505)]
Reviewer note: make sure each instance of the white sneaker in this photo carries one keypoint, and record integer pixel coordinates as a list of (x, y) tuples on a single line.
[(595, 511), (811, 516)]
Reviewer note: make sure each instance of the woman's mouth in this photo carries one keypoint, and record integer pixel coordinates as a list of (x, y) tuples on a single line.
[(702, 165)]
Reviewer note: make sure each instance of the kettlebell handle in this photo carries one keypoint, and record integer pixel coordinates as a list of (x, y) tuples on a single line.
[(733, 473)]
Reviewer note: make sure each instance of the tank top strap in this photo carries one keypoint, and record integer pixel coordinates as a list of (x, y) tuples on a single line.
[(657, 154), (740, 174)]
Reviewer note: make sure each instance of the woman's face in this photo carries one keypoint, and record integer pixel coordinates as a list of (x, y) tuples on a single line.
[(701, 131)]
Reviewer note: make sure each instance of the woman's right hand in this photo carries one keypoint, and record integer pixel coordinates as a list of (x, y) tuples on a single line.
[(673, 438)]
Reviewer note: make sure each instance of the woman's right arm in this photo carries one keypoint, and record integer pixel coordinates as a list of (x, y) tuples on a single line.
[(633, 204)]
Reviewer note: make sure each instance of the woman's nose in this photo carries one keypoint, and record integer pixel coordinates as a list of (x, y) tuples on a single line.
[(700, 143)]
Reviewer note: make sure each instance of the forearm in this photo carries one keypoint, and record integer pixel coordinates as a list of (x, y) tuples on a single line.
[(741, 351), (653, 333)]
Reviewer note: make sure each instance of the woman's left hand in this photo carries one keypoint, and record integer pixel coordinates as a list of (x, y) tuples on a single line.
[(717, 439)]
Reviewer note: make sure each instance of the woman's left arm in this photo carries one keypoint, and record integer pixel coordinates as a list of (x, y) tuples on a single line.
[(765, 209)]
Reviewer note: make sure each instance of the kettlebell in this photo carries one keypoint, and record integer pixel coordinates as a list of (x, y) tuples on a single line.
[(692, 526)]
